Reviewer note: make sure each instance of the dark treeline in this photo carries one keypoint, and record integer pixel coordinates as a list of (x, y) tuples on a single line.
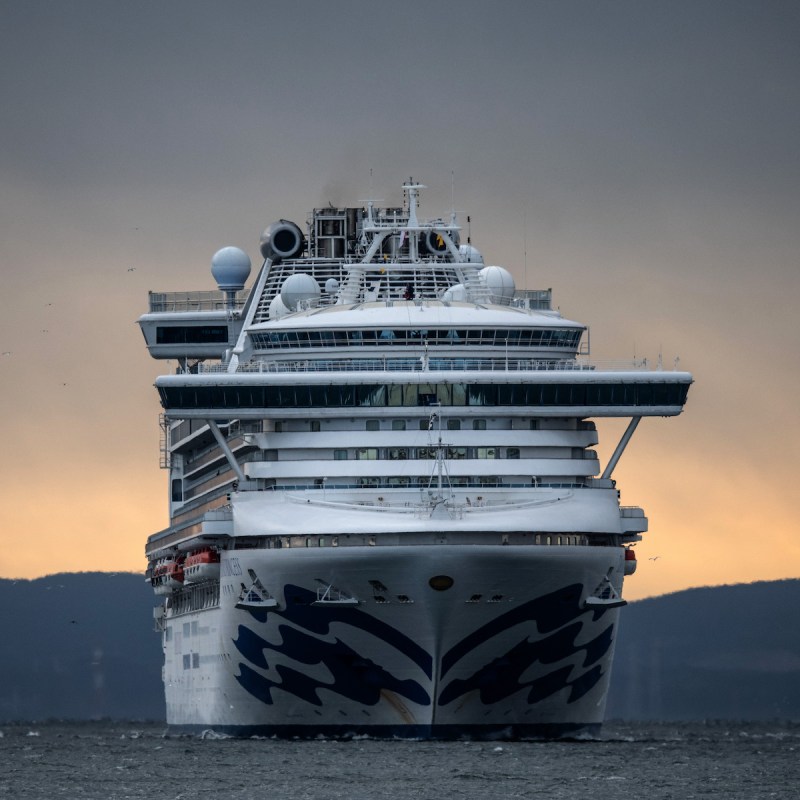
[(82, 646)]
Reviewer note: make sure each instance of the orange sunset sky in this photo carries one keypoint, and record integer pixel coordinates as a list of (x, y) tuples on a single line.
[(640, 158)]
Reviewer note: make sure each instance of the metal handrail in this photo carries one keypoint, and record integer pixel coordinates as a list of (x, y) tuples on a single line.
[(431, 364)]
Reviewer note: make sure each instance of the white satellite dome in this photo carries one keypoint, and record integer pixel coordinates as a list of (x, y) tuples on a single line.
[(470, 254), (277, 309), (230, 267), (457, 293), (331, 286), (500, 282), (297, 288)]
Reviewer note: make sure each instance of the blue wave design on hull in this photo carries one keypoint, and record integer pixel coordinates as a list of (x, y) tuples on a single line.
[(354, 677), (557, 611), (500, 678), (362, 680), (318, 619)]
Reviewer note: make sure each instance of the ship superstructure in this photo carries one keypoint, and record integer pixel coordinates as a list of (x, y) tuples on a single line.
[(386, 515)]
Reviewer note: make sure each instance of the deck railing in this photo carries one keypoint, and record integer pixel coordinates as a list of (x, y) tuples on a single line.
[(430, 364), (161, 302)]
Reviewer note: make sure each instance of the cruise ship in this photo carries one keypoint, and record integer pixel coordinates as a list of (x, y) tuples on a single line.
[(387, 517)]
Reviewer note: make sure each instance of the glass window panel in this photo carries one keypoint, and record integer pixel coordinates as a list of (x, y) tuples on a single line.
[(459, 394), (319, 396), (371, 395), (480, 395)]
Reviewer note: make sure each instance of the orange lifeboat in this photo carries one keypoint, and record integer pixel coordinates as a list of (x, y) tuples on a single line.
[(201, 565), (167, 575), (630, 561)]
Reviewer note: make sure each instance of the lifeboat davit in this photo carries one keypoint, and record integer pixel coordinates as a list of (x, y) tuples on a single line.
[(630, 561), (167, 575), (201, 565)]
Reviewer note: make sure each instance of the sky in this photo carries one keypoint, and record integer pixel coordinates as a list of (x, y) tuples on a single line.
[(639, 157)]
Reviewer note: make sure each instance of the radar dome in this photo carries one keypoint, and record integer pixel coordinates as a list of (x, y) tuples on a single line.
[(457, 293), (230, 268), (276, 308), (500, 282), (470, 254), (331, 286), (297, 288)]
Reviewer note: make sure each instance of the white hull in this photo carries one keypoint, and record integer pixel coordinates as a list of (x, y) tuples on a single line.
[(526, 658)]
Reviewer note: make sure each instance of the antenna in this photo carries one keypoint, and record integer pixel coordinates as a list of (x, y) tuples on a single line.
[(525, 247)]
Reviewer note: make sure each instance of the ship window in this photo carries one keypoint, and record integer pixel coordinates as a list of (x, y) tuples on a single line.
[(398, 424), (278, 426), (459, 391), (486, 452), (512, 452), (186, 334), (398, 454), (371, 395), (314, 424), (479, 424), (457, 452), (319, 395), (368, 453), (177, 490), (168, 634), (187, 661), (195, 660), (186, 629), (340, 455), (459, 394), (373, 424), (481, 395), (423, 424), (454, 424)]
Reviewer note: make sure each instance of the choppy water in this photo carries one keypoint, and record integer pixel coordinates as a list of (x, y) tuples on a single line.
[(653, 761)]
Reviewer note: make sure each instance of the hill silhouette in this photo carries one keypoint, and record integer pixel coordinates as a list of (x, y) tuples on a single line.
[(79, 646), (82, 646), (724, 652)]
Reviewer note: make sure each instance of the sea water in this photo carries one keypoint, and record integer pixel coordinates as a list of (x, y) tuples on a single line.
[(115, 761)]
